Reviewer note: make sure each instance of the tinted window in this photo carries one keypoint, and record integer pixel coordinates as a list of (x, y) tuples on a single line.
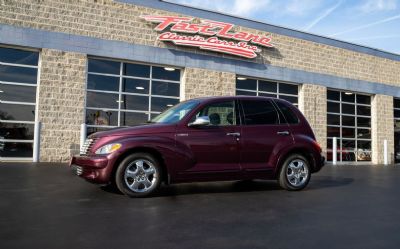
[(102, 117), (133, 118), (247, 84), (17, 112), (289, 115), (165, 88), (288, 88), (105, 83), (267, 86), (161, 104), (259, 112), (17, 93), (333, 95), (135, 86), (18, 74), (16, 56), (102, 66), (238, 92), (137, 70), (166, 73)]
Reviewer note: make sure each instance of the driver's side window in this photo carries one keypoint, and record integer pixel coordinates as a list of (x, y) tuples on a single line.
[(220, 114)]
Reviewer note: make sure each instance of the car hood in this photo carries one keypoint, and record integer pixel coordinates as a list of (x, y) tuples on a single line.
[(136, 130)]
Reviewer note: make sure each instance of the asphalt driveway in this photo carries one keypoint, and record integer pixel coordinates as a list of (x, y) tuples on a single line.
[(46, 206)]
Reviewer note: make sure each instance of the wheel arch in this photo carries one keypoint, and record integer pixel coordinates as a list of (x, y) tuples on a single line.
[(152, 151), (307, 153)]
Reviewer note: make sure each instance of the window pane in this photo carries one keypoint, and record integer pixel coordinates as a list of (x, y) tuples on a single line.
[(103, 66), (238, 92), (105, 83), (397, 113), (333, 119), (13, 149), (333, 131), (16, 131), (161, 104), (165, 88), (133, 102), (363, 145), (18, 74), (363, 155), (348, 132), (137, 70), (348, 150), (348, 97), (333, 95), (364, 110), (396, 103), (135, 86), (348, 121), (17, 112), (333, 107), (288, 88), (259, 112), (16, 56), (363, 99), (292, 100), (220, 114), (132, 118), (267, 86), (17, 93), (102, 100), (363, 122), (364, 133), (101, 117), (266, 95), (248, 84), (290, 116), (163, 73), (348, 109)]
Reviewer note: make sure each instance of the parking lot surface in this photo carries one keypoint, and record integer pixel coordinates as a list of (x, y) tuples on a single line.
[(46, 206)]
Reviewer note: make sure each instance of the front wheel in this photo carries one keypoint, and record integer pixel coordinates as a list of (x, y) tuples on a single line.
[(295, 173), (138, 175)]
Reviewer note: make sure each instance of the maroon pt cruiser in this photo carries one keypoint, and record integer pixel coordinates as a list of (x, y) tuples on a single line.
[(205, 139)]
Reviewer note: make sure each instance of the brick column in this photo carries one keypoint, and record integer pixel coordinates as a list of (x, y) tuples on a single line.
[(61, 103), (312, 102), (382, 125), (200, 82)]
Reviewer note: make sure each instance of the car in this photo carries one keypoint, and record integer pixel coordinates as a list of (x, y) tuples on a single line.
[(205, 139)]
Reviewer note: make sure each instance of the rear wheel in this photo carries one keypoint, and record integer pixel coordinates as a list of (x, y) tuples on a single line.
[(295, 173), (138, 175)]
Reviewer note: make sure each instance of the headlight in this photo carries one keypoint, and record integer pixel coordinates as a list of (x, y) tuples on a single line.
[(107, 149)]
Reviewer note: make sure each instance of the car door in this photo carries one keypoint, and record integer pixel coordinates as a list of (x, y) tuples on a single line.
[(263, 135), (214, 147)]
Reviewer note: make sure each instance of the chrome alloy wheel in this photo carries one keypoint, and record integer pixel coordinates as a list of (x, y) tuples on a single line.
[(297, 172), (140, 175)]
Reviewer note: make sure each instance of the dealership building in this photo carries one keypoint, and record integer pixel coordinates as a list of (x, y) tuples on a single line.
[(107, 64)]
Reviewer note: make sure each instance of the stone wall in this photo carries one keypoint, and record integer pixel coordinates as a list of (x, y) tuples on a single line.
[(61, 103), (111, 20), (200, 82), (312, 102), (382, 125)]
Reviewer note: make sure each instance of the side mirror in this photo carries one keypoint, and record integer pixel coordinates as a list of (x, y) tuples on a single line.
[(200, 121)]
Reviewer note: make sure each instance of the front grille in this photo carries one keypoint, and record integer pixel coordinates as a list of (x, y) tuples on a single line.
[(86, 146)]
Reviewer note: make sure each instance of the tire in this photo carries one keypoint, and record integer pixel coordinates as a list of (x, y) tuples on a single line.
[(138, 175), (289, 179)]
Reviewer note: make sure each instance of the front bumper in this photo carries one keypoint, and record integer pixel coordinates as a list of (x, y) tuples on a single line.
[(95, 169)]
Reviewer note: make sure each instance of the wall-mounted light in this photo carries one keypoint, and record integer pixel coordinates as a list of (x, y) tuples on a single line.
[(348, 93), (140, 88), (169, 69), (1, 91), (241, 78)]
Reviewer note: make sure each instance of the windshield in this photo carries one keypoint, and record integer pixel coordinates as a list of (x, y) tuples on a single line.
[(175, 113)]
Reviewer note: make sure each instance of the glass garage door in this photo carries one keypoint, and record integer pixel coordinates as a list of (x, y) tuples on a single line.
[(267, 88), (349, 120), (127, 94), (18, 81)]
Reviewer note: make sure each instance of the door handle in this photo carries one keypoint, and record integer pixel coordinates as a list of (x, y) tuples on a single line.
[(235, 134), (283, 133)]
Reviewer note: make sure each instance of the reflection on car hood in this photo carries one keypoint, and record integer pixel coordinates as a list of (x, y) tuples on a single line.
[(136, 130)]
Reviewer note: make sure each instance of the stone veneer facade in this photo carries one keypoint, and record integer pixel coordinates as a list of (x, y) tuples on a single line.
[(63, 74)]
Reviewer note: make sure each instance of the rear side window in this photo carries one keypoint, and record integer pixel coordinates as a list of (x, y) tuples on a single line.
[(290, 116), (259, 112)]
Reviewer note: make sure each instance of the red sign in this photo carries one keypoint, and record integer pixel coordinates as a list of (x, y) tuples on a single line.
[(207, 34)]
